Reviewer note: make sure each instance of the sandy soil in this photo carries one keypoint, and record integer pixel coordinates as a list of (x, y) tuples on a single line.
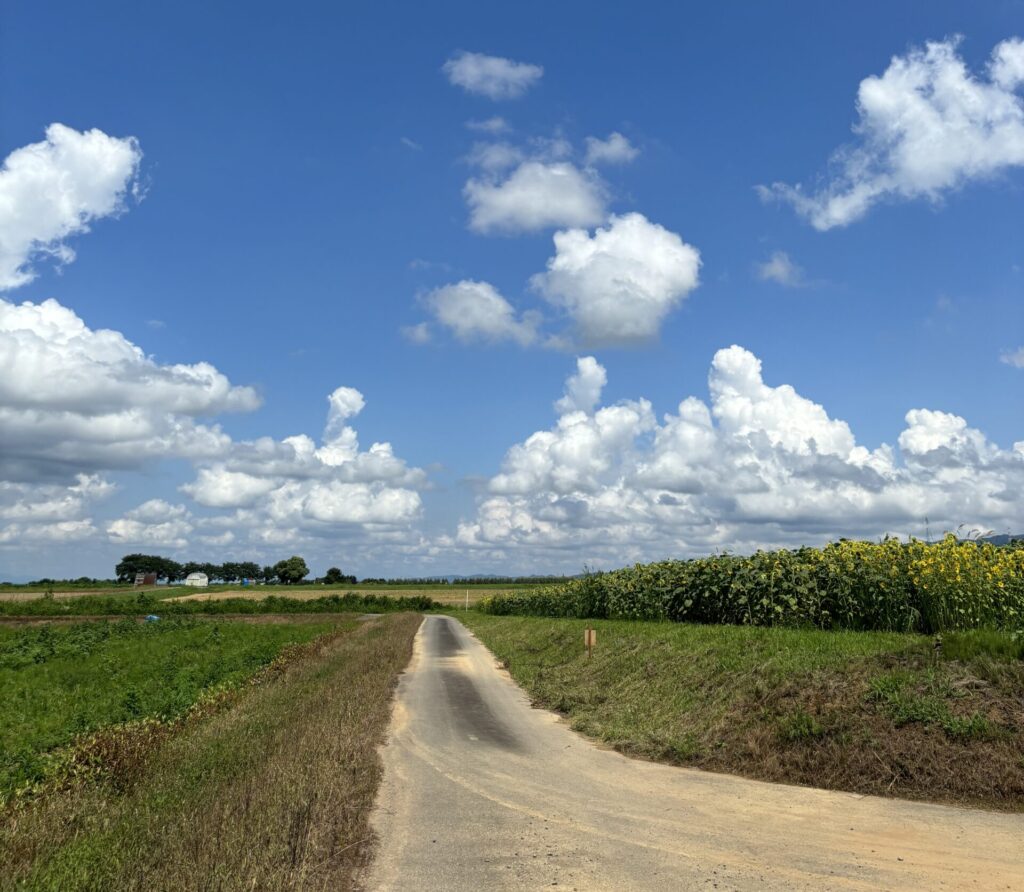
[(481, 791)]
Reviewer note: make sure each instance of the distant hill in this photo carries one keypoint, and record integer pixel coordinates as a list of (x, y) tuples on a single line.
[(1003, 538)]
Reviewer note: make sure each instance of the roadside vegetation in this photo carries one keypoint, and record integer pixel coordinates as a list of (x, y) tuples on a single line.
[(886, 586), (244, 755), (872, 712)]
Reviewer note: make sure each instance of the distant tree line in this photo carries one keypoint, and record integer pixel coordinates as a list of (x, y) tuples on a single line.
[(81, 581), (290, 571)]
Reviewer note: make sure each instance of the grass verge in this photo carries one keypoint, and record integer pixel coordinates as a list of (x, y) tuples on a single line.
[(268, 788), (869, 712)]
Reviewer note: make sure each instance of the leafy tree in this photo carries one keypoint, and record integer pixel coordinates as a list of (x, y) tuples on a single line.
[(131, 564), (269, 575), (172, 571), (248, 570), (291, 571)]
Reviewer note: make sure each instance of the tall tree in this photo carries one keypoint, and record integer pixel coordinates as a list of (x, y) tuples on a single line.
[(291, 571)]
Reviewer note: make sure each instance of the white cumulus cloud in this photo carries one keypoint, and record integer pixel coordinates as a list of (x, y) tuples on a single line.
[(620, 283), (492, 76), (583, 389), (535, 195), (46, 513), (476, 311), (926, 126), (153, 524), (616, 149), (757, 466), (75, 399), (293, 490), (54, 189)]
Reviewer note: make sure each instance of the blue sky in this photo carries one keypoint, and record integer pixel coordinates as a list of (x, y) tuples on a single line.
[(298, 199)]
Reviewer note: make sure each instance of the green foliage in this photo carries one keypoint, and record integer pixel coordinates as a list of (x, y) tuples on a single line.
[(291, 571), (163, 567), (801, 725), (59, 683), (908, 698), (889, 586), (144, 603), (334, 576)]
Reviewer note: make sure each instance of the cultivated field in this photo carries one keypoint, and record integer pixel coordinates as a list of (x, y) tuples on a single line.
[(185, 755), (32, 593), (885, 586), (445, 594)]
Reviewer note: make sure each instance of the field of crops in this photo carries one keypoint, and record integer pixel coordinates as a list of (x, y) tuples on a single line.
[(146, 603), (60, 683), (886, 586), (190, 754)]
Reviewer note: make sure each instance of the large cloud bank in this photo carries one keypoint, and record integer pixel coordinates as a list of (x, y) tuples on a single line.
[(759, 465), (75, 400)]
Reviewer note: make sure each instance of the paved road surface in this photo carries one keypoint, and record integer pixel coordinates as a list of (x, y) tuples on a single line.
[(482, 792)]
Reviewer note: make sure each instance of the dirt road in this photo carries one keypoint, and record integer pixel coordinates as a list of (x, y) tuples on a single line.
[(482, 792)]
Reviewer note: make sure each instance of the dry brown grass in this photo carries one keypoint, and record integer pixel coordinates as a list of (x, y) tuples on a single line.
[(272, 791)]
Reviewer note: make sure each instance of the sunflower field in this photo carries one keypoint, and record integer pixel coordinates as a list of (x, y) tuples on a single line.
[(884, 586)]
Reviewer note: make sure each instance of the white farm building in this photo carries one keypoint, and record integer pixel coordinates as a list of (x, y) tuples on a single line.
[(198, 579)]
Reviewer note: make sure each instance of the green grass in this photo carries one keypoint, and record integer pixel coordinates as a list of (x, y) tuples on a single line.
[(271, 790), (145, 603), (62, 682), (643, 676), (876, 712), (925, 697)]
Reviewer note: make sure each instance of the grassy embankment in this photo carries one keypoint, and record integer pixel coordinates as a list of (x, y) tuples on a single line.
[(870, 712), (231, 768)]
